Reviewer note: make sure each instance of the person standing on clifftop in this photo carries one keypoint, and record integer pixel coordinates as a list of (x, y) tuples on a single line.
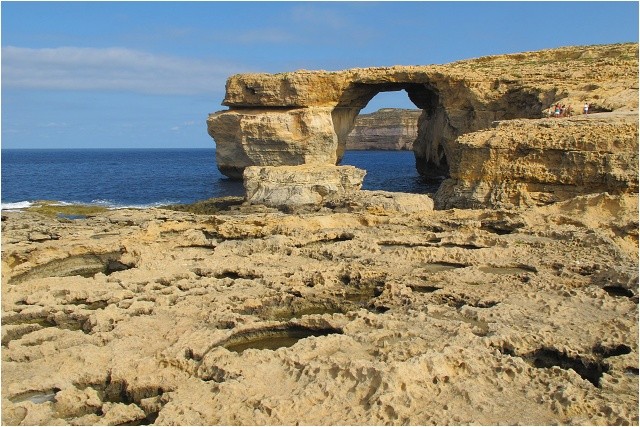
[(586, 108)]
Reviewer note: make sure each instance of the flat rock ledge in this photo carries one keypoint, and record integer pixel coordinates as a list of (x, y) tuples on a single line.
[(392, 201)]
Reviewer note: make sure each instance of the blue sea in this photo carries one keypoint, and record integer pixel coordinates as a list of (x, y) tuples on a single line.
[(153, 177)]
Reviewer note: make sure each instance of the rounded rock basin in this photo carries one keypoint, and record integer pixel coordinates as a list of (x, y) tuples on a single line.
[(273, 338)]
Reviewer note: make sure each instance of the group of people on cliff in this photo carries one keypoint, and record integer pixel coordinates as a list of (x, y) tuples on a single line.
[(565, 110)]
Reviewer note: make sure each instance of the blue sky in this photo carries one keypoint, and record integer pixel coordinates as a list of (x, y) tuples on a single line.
[(147, 74)]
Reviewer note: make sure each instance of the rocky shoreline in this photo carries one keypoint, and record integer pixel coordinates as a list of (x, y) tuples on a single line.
[(509, 297), (350, 314)]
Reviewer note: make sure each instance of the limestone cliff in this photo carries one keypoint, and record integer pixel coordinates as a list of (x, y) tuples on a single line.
[(305, 117), (537, 162), (385, 129)]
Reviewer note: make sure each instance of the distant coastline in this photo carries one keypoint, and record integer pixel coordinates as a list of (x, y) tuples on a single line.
[(388, 129)]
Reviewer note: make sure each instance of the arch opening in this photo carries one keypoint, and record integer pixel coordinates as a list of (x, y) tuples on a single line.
[(403, 167)]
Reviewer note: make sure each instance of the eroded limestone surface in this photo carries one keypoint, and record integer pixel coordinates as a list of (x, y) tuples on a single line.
[(348, 316), (302, 185)]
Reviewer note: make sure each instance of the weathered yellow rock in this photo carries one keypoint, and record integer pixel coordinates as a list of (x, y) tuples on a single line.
[(364, 316), (300, 185), (533, 162), (457, 98), (304, 117), (273, 137)]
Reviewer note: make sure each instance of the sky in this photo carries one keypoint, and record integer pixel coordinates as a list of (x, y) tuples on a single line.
[(147, 74)]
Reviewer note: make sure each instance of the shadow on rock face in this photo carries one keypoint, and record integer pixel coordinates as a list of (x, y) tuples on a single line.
[(86, 265)]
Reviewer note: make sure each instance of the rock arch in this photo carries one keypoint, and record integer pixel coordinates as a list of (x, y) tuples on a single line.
[(423, 96), (304, 117)]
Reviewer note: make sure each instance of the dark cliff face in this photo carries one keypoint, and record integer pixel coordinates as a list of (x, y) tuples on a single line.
[(386, 129)]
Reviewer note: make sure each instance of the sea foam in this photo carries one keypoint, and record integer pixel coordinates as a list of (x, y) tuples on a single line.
[(15, 205)]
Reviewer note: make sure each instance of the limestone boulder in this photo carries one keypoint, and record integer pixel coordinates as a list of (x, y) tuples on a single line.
[(273, 137), (304, 185)]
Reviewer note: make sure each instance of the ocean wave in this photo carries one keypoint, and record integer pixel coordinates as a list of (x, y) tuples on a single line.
[(27, 204), (15, 205), (108, 204)]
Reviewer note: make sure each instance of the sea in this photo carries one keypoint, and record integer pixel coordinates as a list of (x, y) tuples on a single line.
[(139, 178)]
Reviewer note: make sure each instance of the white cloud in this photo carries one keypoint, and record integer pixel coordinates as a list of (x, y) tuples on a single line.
[(112, 69), (313, 16)]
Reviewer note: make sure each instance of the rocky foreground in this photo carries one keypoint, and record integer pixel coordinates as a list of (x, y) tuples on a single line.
[(312, 302), (347, 314)]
